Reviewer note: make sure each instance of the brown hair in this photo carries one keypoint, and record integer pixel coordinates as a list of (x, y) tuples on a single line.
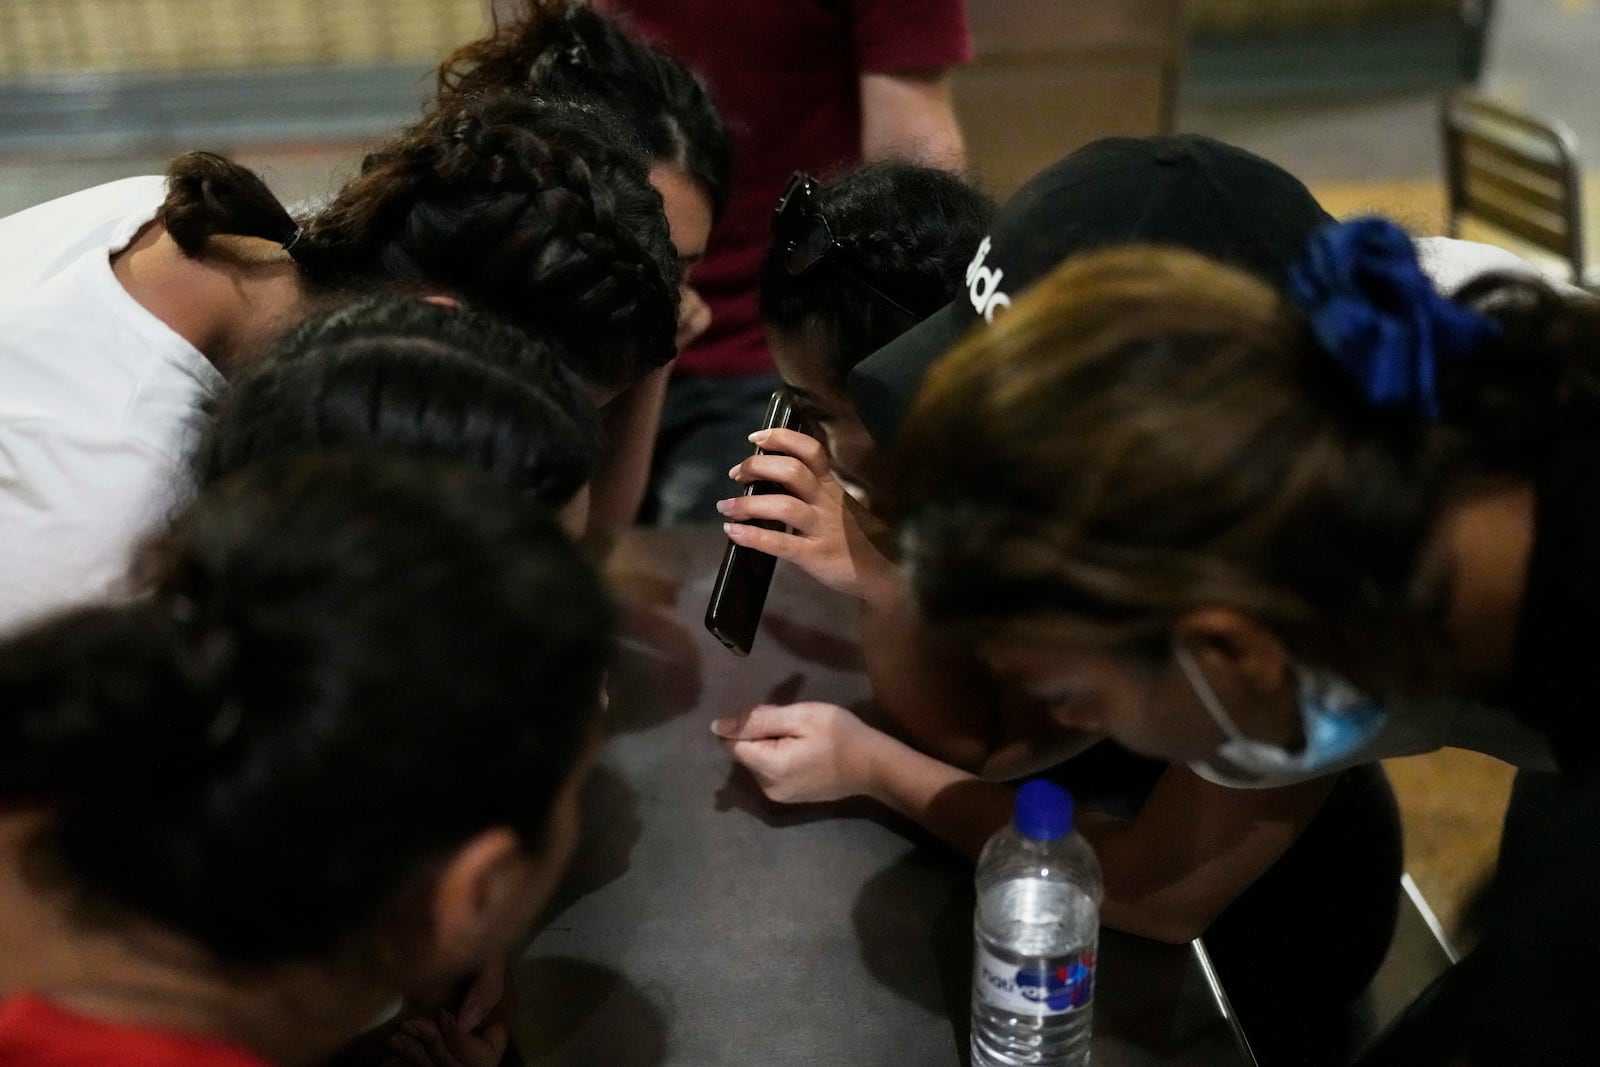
[(1147, 432)]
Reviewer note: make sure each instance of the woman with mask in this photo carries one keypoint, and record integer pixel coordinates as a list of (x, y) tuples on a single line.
[(1302, 530), (1308, 539), (205, 858)]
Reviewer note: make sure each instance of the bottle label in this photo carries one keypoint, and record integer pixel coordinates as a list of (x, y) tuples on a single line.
[(1030, 989)]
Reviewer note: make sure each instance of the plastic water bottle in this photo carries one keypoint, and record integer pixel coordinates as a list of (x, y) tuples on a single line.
[(1037, 929)]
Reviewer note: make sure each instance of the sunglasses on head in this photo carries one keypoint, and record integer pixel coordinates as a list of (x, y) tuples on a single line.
[(805, 239)]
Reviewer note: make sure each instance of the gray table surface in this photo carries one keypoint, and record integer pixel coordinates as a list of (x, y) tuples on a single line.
[(703, 925)]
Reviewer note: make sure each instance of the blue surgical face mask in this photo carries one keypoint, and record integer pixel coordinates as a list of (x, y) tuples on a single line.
[(1337, 720)]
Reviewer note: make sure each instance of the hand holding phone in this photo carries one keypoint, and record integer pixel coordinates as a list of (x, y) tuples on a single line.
[(740, 593)]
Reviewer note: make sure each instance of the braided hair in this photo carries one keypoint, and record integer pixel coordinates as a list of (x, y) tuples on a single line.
[(538, 211), (410, 377), (569, 50)]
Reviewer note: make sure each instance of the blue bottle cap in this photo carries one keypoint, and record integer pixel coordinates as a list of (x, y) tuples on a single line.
[(1044, 810)]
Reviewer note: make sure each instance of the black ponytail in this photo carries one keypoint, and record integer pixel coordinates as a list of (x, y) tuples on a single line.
[(210, 196)]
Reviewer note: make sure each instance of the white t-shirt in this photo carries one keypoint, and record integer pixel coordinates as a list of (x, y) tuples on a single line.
[(98, 401), (1452, 262)]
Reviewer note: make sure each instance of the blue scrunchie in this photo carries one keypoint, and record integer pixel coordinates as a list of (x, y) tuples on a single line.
[(1379, 316)]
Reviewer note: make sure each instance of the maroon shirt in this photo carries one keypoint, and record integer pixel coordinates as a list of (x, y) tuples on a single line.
[(786, 76)]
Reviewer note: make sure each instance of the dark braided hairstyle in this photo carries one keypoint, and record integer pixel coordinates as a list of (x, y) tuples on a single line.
[(911, 226), (410, 377), (569, 50), (538, 211)]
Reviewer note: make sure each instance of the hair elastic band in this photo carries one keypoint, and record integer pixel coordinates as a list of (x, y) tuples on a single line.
[(289, 245), (1379, 316)]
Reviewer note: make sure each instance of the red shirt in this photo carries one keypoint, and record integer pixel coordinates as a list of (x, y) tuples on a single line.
[(786, 76), (36, 1033)]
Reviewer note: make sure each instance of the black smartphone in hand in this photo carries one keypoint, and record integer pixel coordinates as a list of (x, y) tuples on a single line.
[(740, 593)]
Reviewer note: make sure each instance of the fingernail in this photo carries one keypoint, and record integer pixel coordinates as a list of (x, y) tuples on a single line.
[(725, 506), (727, 528), (759, 436), (733, 471), (721, 726)]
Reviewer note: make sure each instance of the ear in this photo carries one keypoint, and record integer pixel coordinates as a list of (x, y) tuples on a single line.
[(574, 514), (1242, 658), (481, 900)]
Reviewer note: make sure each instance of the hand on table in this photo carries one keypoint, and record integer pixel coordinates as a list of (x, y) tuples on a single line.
[(828, 530), (436, 1041), (802, 753), (475, 1032)]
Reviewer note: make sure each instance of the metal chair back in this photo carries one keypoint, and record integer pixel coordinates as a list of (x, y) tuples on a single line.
[(1516, 173)]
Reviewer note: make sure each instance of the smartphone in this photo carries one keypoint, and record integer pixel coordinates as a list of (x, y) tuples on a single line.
[(740, 593)]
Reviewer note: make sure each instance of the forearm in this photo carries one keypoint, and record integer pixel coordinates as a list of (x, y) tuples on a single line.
[(941, 697), (1144, 895), (1191, 851), (911, 115), (932, 689), (1141, 900), (958, 808)]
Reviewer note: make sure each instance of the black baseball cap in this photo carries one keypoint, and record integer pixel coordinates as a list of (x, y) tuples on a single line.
[(1182, 189)]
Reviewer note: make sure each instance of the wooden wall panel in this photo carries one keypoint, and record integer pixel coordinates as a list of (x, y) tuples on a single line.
[(1051, 75)]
